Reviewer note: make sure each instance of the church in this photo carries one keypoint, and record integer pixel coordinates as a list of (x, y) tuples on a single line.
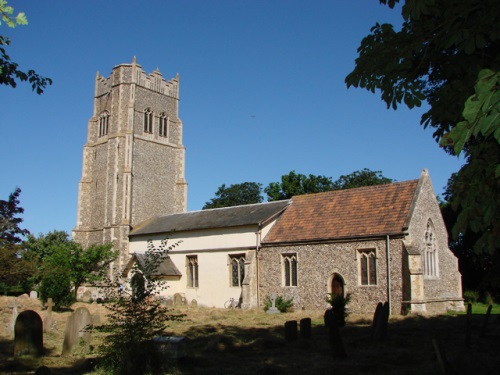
[(378, 243)]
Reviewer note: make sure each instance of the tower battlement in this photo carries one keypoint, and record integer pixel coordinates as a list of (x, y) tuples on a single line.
[(133, 74)]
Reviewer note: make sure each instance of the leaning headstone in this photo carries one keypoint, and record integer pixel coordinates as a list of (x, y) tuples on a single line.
[(305, 328), (77, 332), (444, 365), (273, 309), (485, 321), (28, 331), (33, 294), (380, 322), (468, 326), (336, 343), (49, 323), (291, 330), (13, 318)]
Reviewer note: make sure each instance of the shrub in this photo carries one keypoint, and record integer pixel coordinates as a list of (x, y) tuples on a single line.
[(338, 305), (282, 304), (471, 296)]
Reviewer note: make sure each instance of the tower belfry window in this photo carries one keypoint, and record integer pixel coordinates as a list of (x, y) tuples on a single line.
[(103, 123), (163, 125), (148, 120)]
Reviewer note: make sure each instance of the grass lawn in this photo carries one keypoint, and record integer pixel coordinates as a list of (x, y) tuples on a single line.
[(222, 341), (480, 308)]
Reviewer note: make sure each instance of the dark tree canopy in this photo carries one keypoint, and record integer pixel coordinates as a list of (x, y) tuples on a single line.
[(361, 178), (10, 232), (447, 53), (298, 184), (236, 195)]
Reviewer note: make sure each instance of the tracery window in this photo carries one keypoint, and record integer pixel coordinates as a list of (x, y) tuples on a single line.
[(289, 269), (192, 271), (163, 125), (237, 268), (367, 267), (430, 258), (103, 123), (148, 120)]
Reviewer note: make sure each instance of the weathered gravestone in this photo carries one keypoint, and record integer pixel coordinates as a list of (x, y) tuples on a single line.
[(291, 330), (48, 322), (305, 328), (12, 322), (33, 294), (28, 331), (194, 303), (78, 334), (380, 322), (485, 321), (273, 309), (336, 343), (179, 299)]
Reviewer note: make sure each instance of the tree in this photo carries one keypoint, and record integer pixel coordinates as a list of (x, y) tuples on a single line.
[(447, 53), (14, 269), (236, 195), (136, 318), (9, 70), (63, 265), (297, 184), (361, 178)]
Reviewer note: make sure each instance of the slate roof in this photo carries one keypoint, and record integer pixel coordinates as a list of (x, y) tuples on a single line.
[(210, 219), (166, 268), (353, 213)]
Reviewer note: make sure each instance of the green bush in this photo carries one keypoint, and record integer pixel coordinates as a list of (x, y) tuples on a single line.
[(282, 304), (339, 307), (56, 284), (471, 296)]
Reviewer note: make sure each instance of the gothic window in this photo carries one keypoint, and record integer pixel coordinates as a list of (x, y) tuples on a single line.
[(192, 271), (163, 125), (430, 261), (103, 123), (367, 267), (237, 268), (289, 269), (148, 120)]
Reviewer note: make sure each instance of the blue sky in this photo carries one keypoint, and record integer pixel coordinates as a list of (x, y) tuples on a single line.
[(261, 85)]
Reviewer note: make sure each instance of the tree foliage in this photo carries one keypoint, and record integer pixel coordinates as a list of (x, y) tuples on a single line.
[(236, 195), (63, 265), (14, 270), (136, 317), (447, 53), (361, 178), (297, 184), (9, 70)]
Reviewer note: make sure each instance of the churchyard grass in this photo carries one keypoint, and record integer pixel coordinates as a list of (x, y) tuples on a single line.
[(235, 341), (480, 308)]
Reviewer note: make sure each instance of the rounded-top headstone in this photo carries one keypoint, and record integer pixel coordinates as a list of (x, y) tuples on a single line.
[(28, 334)]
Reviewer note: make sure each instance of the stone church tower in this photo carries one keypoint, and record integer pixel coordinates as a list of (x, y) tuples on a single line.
[(133, 161)]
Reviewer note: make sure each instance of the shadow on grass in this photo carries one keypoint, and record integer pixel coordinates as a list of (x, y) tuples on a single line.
[(217, 348)]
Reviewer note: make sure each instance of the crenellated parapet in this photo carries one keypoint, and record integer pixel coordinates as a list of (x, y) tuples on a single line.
[(133, 74)]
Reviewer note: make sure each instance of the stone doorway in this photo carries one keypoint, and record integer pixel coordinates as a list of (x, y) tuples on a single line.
[(337, 285)]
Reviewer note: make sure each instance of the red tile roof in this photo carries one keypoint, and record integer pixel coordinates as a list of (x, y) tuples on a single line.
[(367, 211)]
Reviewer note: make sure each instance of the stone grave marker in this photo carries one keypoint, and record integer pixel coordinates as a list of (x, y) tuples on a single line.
[(96, 319), (28, 331), (179, 299), (49, 323), (194, 303), (291, 330), (336, 343), (169, 302), (380, 322), (12, 322), (485, 321), (171, 346), (273, 309), (305, 328), (33, 294), (468, 326), (78, 332)]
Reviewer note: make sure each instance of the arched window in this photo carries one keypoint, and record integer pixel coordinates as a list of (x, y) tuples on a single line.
[(430, 258), (290, 269), (367, 267), (103, 123), (237, 269), (148, 120), (163, 125)]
